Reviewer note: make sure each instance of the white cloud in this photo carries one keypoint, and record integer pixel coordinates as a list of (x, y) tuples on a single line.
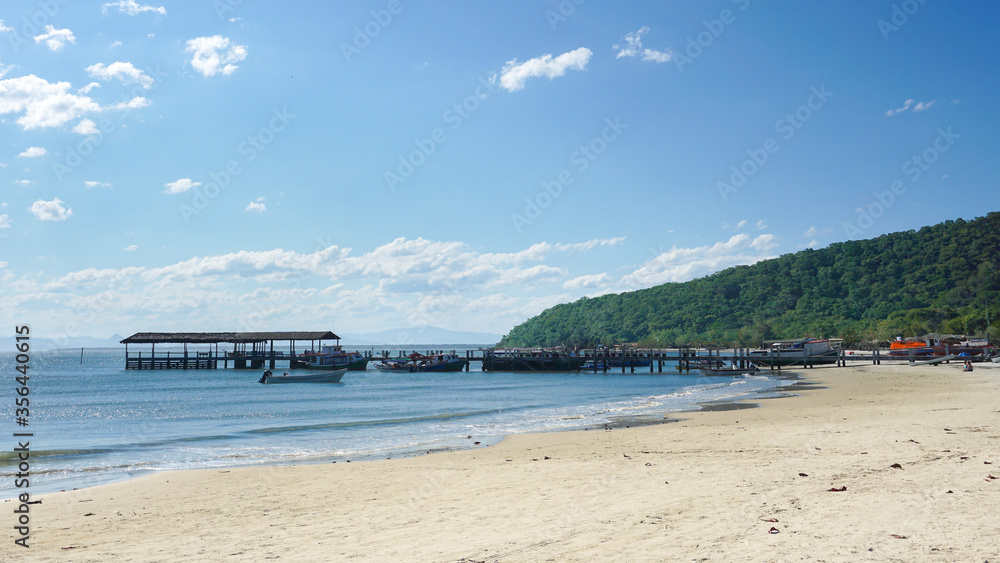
[(125, 72), (56, 39), (908, 105), (810, 232), (633, 43), (762, 224), (4, 221), (215, 54), (5, 29), (132, 8), (116, 44), (44, 104), (86, 127), (514, 74), (180, 186), (131, 248), (51, 210), (25, 182), (33, 152), (135, 103), (633, 47), (684, 264), (594, 280), (86, 89), (93, 184), (403, 282), (257, 206)]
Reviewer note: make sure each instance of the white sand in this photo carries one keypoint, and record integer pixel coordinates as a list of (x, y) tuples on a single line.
[(695, 490)]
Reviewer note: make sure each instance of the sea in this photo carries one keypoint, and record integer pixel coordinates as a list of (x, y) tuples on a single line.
[(93, 422)]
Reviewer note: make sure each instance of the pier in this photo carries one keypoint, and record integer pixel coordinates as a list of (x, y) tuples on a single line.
[(250, 350), (259, 350)]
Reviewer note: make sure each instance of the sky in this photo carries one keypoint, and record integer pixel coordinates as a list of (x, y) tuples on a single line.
[(362, 166)]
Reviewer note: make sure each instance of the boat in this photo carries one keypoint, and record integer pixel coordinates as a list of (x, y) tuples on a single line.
[(332, 357), (393, 364), (796, 352), (532, 359), (418, 362), (329, 377), (440, 362), (932, 345)]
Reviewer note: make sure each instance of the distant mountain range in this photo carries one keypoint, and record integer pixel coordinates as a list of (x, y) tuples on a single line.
[(427, 335), (41, 343)]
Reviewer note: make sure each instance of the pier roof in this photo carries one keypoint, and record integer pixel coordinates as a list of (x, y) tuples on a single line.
[(213, 337)]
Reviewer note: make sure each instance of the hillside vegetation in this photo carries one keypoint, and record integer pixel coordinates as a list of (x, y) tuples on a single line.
[(944, 278)]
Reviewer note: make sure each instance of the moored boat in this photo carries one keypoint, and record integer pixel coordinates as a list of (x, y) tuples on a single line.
[(796, 353), (532, 359), (937, 345), (333, 357), (440, 362), (329, 377), (393, 364), (449, 361)]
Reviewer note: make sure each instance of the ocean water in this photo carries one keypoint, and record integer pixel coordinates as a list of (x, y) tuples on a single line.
[(95, 422)]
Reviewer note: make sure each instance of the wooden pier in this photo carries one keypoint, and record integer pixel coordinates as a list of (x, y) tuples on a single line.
[(250, 350), (256, 350)]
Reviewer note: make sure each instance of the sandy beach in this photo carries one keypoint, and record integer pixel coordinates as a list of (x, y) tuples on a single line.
[(875, 463)]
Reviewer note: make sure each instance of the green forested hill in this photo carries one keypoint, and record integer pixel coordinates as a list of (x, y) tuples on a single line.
[(938, 279)]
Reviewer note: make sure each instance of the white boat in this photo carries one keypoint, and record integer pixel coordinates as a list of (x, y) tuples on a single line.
[(796, 352), (328, 377)]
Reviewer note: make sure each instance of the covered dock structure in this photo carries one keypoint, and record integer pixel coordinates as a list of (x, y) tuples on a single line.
[(251, 350)]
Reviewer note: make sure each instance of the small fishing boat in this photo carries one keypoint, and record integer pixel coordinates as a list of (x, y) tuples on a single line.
[(418, 362), (329, 377), (332, 357), (394, 364), (937, 345), (440, 362)]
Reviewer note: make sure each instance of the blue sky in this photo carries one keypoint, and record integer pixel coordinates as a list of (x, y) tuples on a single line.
[(186, 166)]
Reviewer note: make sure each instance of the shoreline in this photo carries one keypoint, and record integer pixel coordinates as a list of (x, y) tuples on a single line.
[(49, 476), (700, 487)]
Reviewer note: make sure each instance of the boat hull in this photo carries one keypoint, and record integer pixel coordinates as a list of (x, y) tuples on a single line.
[(330, 377), (450, 366), (793, 358)]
